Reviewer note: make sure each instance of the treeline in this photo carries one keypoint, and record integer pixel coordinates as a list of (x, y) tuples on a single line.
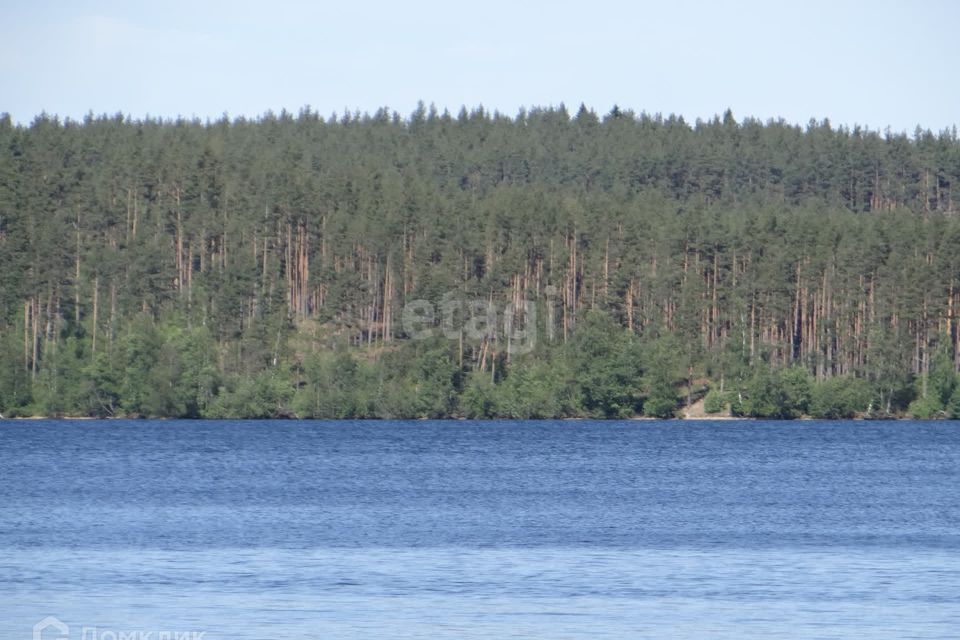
[(262, 267)]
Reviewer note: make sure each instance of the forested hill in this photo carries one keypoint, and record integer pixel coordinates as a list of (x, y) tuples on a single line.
[(298, 265)]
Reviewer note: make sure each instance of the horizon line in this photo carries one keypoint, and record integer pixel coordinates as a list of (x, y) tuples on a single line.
[(432, 111)]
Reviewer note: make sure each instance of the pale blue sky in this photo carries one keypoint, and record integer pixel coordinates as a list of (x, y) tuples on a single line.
[(872, 63)]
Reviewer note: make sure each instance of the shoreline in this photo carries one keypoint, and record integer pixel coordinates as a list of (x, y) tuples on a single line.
[(638, 418)]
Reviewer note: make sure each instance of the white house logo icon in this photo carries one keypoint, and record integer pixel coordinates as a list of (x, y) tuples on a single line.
[(58, 630)]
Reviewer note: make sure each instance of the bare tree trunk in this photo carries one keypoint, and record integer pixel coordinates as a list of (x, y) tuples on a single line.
[(93, 329), (76, 281), (26, 336), (35, 318)]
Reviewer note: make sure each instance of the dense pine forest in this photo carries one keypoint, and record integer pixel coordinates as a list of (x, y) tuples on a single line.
[(271, 267)]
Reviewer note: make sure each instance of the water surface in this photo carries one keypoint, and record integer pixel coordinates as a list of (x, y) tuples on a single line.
[(558, 529)]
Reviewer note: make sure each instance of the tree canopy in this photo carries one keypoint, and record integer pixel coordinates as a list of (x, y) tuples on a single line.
[(249, 268)]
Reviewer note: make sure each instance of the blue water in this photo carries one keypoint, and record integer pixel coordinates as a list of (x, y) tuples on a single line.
[(481, 530)]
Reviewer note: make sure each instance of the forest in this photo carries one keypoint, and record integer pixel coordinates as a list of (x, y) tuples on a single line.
[(267, 267)]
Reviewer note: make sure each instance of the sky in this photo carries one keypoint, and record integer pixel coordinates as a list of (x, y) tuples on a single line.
[(877, 64)]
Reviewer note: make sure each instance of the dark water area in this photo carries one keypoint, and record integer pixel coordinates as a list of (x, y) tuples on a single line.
[(555, 529)]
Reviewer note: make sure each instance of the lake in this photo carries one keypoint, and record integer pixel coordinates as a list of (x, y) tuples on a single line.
[(423, 529)]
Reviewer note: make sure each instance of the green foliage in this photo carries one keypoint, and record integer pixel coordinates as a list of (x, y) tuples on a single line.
[(142, 387), (479, 399), (434, 374), (260, 267), (738, 405), (534, 389), (890, 372), (663, 361), (934, 391), (263, 395), (334, 385), (395, 395), (942, 378), (199, 377), (606, 360), (779, 394), (796, 385), (661, 404), (953, 405), (762, 396), (840, 397), (925, 408), (103, 378), (715, 402)]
